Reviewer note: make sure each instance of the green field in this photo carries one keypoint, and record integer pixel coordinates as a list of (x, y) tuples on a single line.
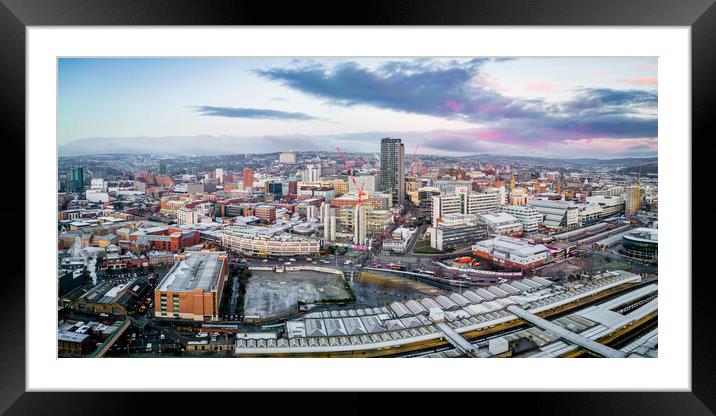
[(427, 250)]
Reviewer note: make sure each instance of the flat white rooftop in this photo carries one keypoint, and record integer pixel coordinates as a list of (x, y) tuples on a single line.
[(197, 271)]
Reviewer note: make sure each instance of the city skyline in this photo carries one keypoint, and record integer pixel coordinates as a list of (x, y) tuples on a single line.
[(567, 107)]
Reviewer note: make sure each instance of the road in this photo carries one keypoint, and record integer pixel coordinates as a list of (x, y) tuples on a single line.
[(234, 294), (414, 238)]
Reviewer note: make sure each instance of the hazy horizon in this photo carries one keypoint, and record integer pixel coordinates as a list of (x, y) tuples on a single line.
[(601, 108)]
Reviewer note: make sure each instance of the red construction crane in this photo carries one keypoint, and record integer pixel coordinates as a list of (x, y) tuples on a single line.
[(412, 160), (350, 173)]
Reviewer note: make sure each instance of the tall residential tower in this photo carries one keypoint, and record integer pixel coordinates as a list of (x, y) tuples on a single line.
[(392, 168)]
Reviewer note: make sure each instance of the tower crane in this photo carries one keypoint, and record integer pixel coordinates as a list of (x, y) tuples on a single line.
[(353, 179), (412, 160)]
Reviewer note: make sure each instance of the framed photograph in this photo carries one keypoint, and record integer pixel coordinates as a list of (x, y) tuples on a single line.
[(233, 203)]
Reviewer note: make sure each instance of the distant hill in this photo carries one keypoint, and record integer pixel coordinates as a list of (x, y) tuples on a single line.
[(207, 145), (645, 169), (579, 162), (181, 145)]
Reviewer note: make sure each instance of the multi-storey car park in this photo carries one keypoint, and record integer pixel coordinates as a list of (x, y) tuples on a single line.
[(268, 242), (408, 326), (193, 287)]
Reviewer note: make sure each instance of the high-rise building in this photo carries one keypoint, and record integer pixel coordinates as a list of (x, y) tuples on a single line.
[(162, 168), (632, 200), (392, 171), (359, 224), (293, 188), (311, 211), (78, 177), (248, 178), (313, 173), (328, 218), (287, 157), (275, 188), (219, 173)]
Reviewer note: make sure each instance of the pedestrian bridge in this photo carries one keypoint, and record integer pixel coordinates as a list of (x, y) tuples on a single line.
[(457, 340), (570, 336)]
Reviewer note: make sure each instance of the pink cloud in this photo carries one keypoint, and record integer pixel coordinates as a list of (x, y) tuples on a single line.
[(494, 140), (541, 86), (608, 146), (647, 67), (485, 80), (640, 81), (502, 137), (454, 105)]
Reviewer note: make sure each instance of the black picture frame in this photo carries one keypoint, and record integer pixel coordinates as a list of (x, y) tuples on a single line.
[(16, 15)]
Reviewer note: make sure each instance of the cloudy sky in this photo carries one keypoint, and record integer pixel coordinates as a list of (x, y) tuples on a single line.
[(565, 107)]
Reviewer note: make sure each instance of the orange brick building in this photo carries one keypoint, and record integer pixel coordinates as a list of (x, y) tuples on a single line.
[(193, 287)]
